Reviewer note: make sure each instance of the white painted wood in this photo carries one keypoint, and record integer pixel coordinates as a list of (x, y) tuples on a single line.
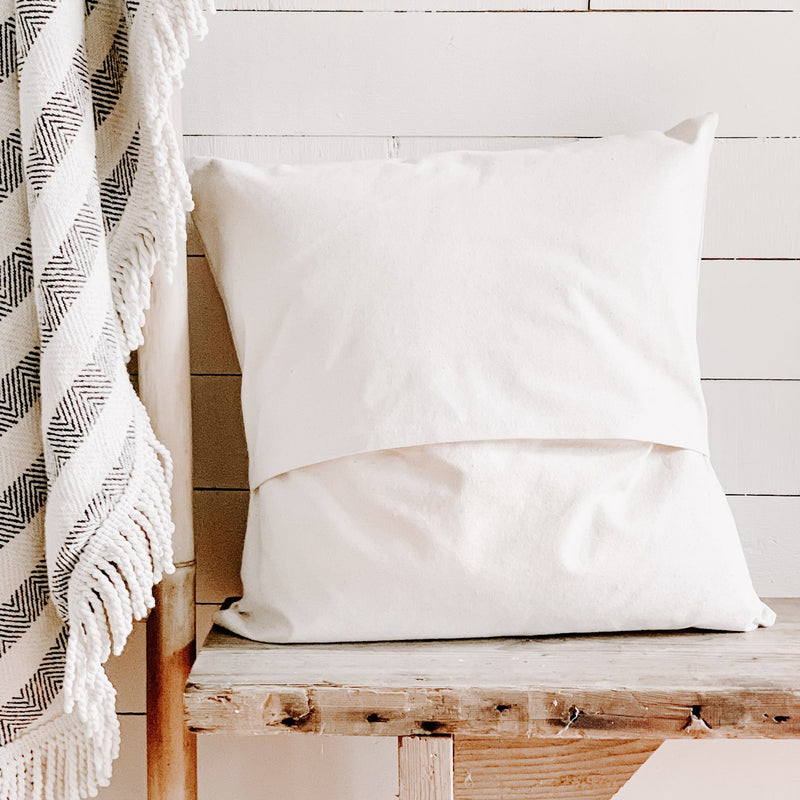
[(491, 74), (129, 780), (752, 201), (748, 325), (288, 149), (403, 5), (296, 768), (127, 673), (754, 429), (770, 531), (693, 5), (718, 770)]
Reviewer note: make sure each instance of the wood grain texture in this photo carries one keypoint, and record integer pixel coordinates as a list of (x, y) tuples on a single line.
[(656, 686), (546, 769), (491, 74), (171, 748), (425, 767)]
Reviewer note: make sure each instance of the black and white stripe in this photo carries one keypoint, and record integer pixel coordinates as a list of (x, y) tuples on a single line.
[(84, 496)]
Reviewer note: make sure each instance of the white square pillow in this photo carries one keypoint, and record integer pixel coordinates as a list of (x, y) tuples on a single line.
[(471, 393)]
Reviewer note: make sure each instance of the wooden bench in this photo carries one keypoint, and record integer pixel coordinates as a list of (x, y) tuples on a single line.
[(547, 717)]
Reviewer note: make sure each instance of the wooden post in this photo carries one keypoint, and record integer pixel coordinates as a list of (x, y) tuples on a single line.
[(165, 389), (425, 765)]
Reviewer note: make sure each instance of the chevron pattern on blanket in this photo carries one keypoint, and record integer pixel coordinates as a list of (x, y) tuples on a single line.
[(86, 210)]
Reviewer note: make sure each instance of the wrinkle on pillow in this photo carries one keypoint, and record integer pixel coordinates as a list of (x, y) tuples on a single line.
[(471, 393), (504, 538)]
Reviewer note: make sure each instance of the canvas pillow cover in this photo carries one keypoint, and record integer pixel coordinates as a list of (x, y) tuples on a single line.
[(471, 393)]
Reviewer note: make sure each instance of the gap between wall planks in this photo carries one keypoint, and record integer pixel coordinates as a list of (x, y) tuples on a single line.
[(457, 6)]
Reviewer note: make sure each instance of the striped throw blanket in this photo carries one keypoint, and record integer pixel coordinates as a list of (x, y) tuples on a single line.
[(92, 195)]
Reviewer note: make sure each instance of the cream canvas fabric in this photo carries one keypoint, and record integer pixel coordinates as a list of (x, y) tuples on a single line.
[(471, 392)]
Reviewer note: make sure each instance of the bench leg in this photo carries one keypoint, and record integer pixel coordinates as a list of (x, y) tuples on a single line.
[(546, 769), (425, 767)]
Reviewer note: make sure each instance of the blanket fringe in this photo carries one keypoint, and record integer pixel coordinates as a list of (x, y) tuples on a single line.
[(62, 759), (161, 198), (112, 583)]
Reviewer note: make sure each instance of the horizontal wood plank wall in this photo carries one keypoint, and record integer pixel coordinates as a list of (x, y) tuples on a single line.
[(273, 83), (405, 5), (504, 5), (492, 74)]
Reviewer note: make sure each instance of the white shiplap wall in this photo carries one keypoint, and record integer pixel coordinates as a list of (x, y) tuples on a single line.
[(283, 80)]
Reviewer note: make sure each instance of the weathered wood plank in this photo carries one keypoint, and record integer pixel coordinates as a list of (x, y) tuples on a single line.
[(546, 769), (657, 686), (425, 767), (491, 74)]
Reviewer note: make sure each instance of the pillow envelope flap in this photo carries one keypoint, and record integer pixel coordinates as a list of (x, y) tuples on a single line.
[(544, 293), (471, 393)]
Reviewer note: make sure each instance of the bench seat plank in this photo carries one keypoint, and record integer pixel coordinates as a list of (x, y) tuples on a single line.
[(643, 685)]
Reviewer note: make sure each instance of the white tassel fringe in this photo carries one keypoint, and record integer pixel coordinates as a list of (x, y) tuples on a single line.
[(61, 759)]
